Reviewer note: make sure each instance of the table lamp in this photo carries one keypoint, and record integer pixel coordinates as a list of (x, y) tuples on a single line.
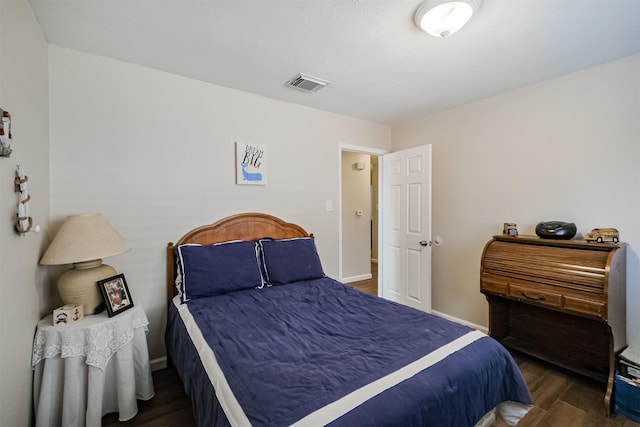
[(83, 240)]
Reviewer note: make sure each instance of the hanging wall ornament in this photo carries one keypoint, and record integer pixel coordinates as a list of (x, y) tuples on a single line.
[(23, 218), (5, 133)]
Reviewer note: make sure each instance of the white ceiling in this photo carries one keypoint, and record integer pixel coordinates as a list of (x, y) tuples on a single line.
[(382, 68)]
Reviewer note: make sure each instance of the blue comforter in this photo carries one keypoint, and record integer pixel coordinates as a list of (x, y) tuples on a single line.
[(290, 350)]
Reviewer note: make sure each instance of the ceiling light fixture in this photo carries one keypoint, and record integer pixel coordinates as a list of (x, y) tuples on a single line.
[(441, 18)]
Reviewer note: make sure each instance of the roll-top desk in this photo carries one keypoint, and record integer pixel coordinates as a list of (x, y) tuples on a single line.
[(562, 301)]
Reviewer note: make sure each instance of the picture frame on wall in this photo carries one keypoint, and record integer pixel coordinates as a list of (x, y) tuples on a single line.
[(115, 294), (251, 163)]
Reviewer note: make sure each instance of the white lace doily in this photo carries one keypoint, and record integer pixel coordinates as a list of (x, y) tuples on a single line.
[(96, 337)]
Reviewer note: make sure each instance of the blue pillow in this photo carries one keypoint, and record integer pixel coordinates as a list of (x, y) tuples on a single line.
[(210, 270), (290, 260)]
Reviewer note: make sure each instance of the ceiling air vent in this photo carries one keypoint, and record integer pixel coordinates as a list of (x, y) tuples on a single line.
[(307, 83)]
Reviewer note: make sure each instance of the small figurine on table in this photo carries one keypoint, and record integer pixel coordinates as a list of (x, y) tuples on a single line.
[(510, 229)]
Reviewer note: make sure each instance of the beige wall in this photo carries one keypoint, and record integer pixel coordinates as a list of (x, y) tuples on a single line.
[(154, 153), (566, 149), (24, 93)]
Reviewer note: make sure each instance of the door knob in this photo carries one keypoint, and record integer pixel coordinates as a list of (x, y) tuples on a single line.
[(424, 243)]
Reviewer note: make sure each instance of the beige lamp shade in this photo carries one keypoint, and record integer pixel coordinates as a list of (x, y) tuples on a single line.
[(83, 240)]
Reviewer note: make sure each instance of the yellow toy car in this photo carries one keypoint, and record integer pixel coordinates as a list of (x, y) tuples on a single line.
[(603, 235)]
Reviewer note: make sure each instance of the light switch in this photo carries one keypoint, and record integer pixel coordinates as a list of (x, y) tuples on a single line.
[(328, 205)]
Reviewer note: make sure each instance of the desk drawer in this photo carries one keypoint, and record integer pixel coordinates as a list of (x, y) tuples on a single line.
[(494, 286), (585, 306), (536, 296)]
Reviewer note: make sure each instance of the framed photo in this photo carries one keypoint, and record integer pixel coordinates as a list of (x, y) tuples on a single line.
[(115, 294), (251, 164)]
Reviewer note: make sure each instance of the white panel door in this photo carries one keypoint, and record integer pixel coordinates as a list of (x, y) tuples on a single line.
[(406, 227)]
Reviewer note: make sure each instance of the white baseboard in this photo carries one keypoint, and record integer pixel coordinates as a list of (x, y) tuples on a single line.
[(356, 278), (482, 329), (158, 363)]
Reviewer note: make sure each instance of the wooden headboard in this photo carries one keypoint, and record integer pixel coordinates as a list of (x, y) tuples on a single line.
[(244, 226)]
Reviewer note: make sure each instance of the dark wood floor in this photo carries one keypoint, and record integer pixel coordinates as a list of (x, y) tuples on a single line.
[(369, 286), (561, 399), (169, 407)]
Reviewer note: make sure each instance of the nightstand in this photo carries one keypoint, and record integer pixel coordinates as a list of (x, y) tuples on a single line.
[(91, 368)]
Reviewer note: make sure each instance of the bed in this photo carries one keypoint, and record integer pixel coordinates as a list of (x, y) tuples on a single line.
[(261, 336)]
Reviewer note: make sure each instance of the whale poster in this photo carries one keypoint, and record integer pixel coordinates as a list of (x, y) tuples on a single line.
[(251, 163)]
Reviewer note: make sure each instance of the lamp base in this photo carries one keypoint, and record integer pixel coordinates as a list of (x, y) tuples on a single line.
[(79, 285)]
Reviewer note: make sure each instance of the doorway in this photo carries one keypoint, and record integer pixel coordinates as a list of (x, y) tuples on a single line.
[(404, 228), (359, 184)]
